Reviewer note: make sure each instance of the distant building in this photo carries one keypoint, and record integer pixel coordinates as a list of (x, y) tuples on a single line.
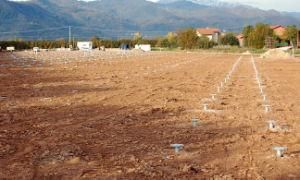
[(143, 47), (124, 46), (85, 45), (278, 30), (241, 39), (11, 48), (212, 34)]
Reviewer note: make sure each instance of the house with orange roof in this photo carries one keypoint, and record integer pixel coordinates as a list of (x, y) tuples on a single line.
[(213, 34), (279, 30)]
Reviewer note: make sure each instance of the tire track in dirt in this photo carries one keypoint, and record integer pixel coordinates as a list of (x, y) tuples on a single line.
[(238, 103), (240, 111), (254, 149), (282, 95)]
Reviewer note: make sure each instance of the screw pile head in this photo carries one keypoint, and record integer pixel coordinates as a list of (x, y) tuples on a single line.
[(177, 147)]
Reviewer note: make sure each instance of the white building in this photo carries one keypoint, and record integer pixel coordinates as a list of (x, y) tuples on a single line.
[(212, 34), (85, 45), (36, 49), (143, 47), (11, 48)]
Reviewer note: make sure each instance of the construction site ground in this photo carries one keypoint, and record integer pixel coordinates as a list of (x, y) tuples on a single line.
[(117, 118)]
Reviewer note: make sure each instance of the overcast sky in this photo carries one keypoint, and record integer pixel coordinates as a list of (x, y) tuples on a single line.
[(282, 5)]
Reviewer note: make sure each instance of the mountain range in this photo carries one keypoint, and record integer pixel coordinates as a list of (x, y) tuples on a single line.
[(50, 19)]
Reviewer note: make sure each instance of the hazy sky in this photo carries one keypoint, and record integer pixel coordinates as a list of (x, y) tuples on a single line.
[(282, 5)]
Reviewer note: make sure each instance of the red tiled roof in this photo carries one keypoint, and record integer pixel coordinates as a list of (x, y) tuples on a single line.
[(275, 26), (208, 31)]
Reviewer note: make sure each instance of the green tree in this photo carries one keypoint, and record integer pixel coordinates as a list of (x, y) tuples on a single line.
[(61, 42), (162, 42), (187, 38), (229, 39), (172, 40), (246, 32), (96, 42), (291, 34), (256, 37), (205, 43), (137, 38)]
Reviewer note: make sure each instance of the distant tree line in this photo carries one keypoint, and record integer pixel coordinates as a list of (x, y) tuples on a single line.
[(107, 43), (185, 39), (254, 37), (45, 44), (50, 44), (258, 35)]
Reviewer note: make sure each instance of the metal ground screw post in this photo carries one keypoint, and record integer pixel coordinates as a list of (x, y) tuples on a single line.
[(280, 151), (267, 108), (177, 147), (195, 122), (205, 107)]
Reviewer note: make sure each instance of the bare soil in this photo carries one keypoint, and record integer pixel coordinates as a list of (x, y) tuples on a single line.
[(116, 118)]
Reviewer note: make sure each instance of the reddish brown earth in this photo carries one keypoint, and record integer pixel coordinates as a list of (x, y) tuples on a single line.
[(116, 118)]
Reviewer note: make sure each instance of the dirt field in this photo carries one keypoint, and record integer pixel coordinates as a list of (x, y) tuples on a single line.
[(116, 117)]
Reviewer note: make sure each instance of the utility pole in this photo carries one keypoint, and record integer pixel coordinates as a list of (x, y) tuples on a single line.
[(70, 37), (73, 43)]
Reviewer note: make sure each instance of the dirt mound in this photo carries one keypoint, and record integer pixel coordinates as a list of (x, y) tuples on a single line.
[(276, 53)]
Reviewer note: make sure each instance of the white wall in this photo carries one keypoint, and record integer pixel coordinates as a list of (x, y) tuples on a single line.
[(208, 36), (143, 47), (85, 46)]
